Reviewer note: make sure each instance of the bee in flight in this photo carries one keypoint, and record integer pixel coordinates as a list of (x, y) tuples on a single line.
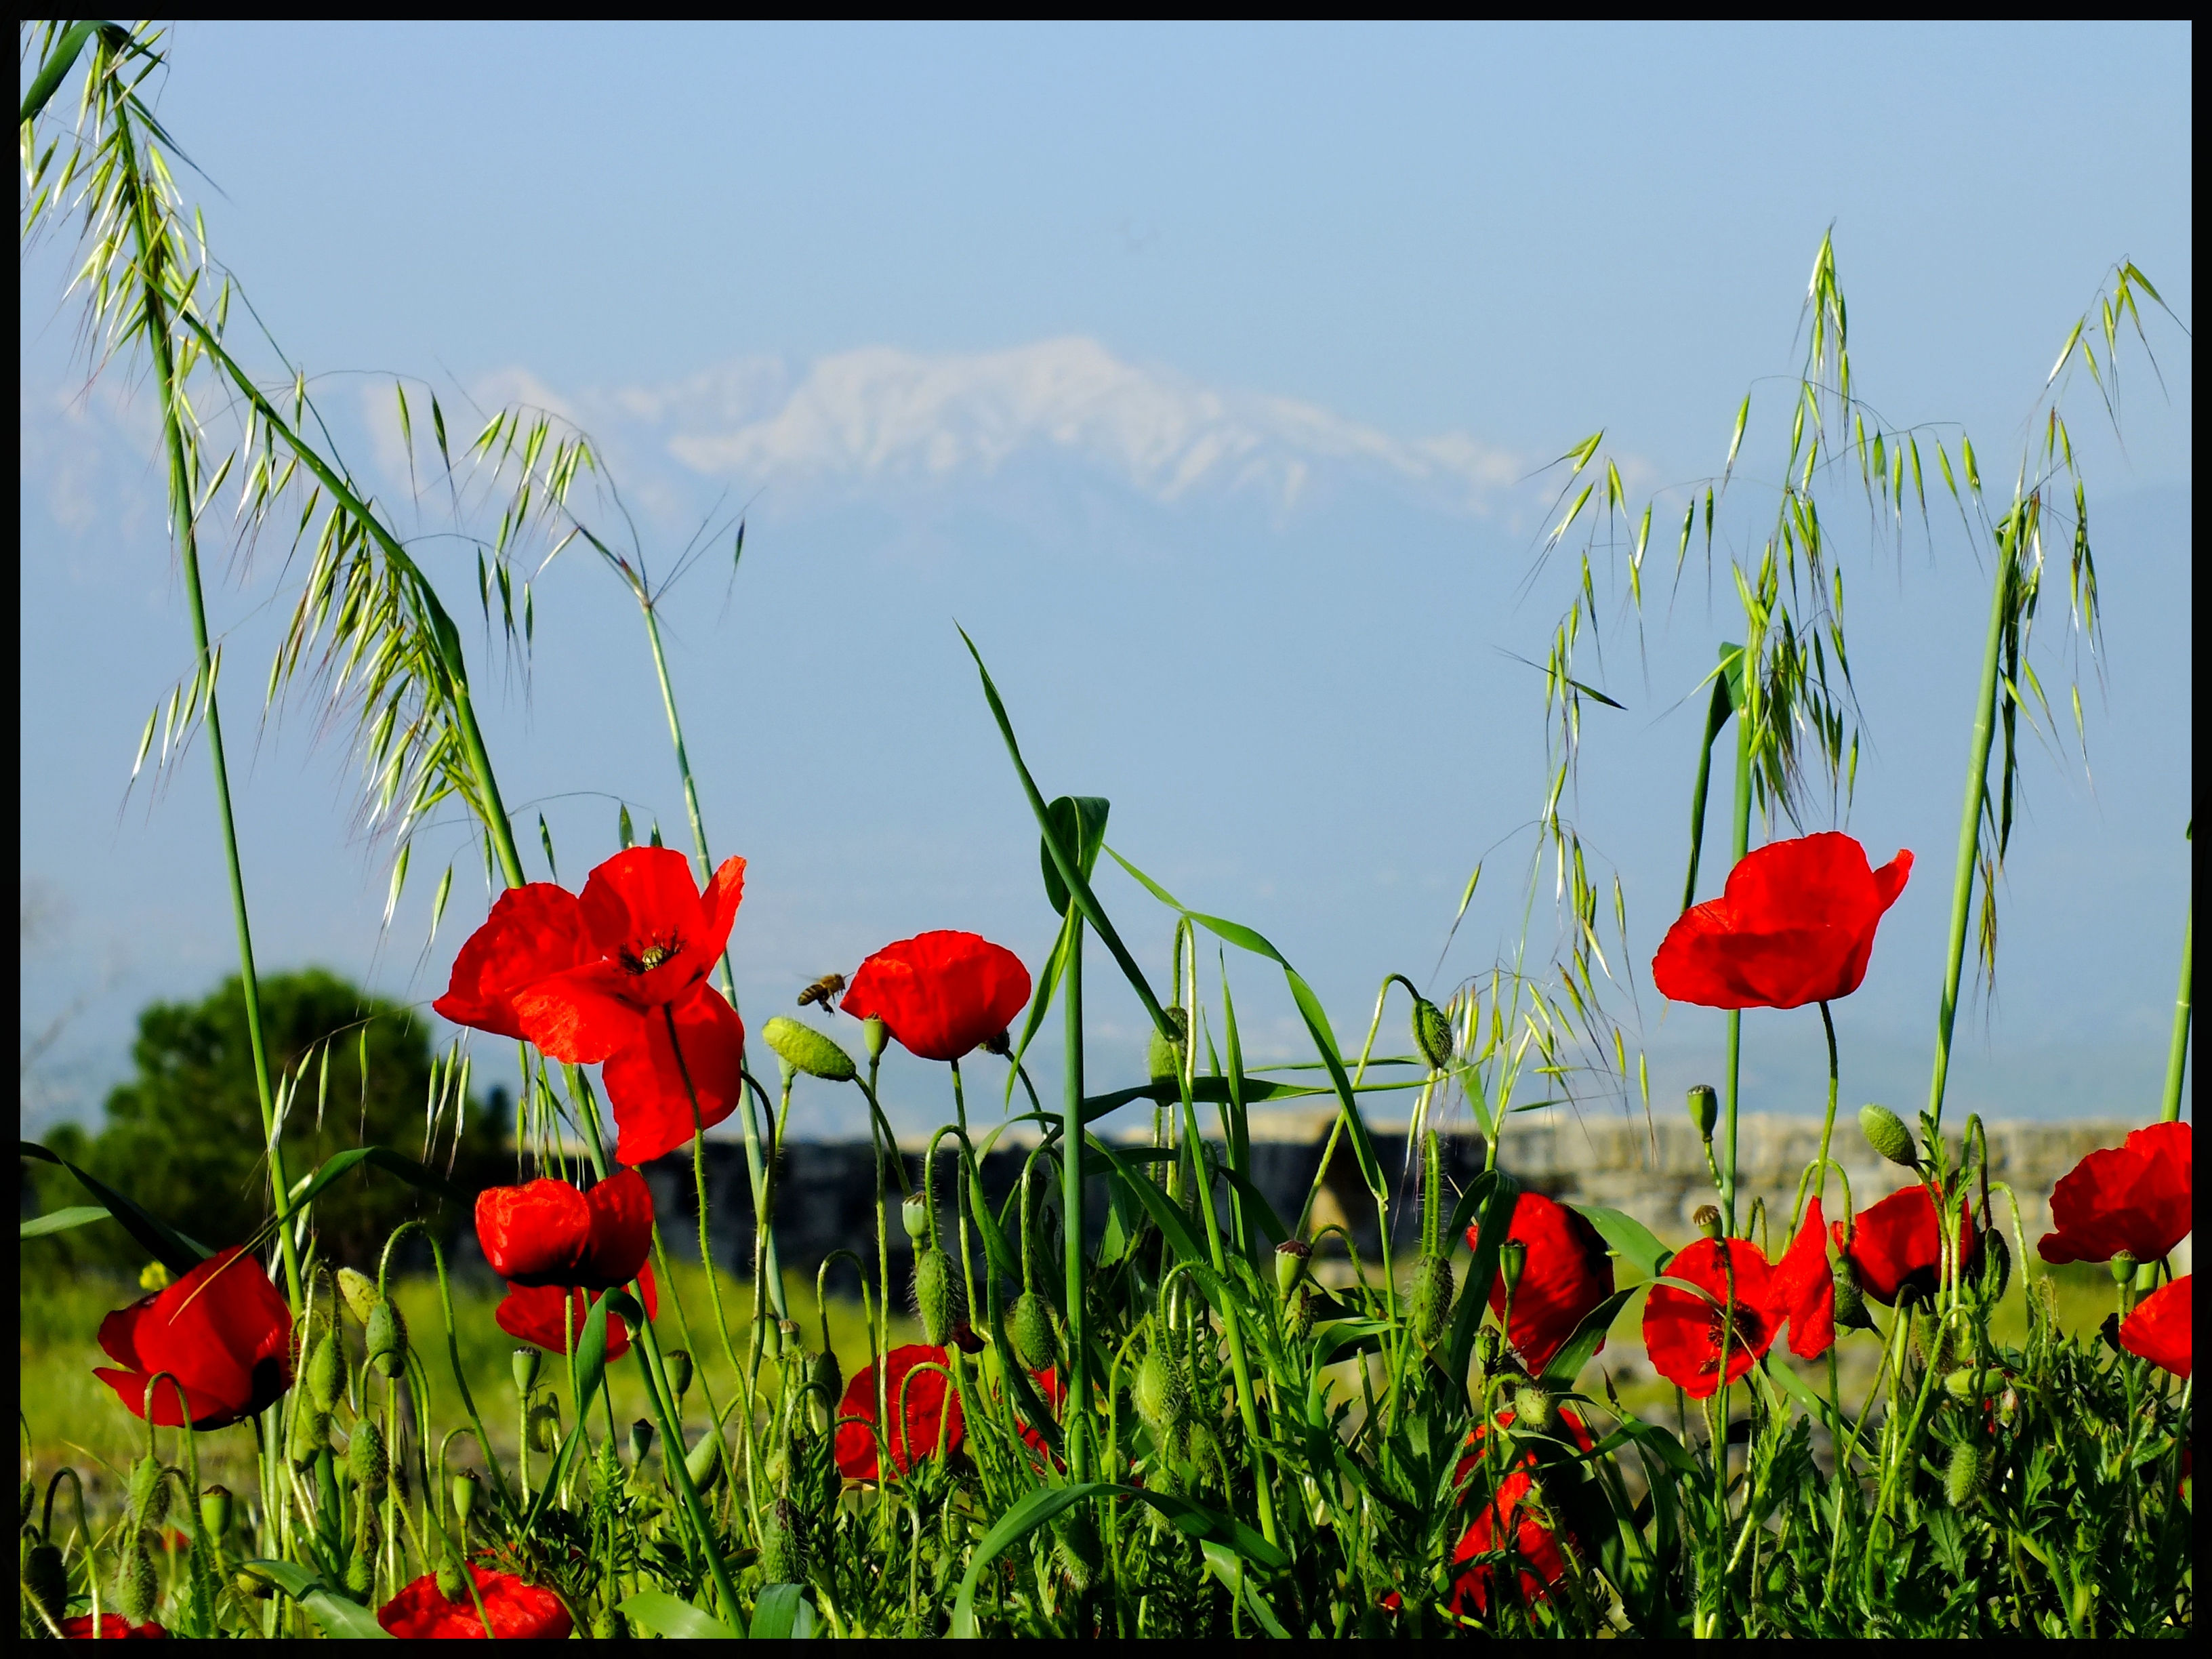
[(824, 991)]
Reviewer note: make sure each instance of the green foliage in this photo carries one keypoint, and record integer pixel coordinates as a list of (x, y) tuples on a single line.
[(183, 1135)]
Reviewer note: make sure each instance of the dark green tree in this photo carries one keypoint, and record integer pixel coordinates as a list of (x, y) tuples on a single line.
[(183, 1138)]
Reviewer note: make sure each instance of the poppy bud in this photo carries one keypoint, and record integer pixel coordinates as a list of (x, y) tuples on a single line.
[(215, 1513), (525, 1364), (1291, 1258), (1535, 1409), (875, 1034), (465, 1495), (149, 1492), (360, 1573), (1164, 1059), (387, 1337), (1705, 1109), (544, 1424), (1962, 1477), (1706, 1218), (703, 1462), (1032, 1331), (451, 1584), (933, 1295), (1075, 1541), (311, 1431), (47, 1580), (1512, 1259), (806, 1049), (1433, 1297), (914, 1215), (326, 1373), (1886, 1133), (1850, 1301), (1161, 1396), (1433, 1034), (137, 1589), (640, 1440), (678, 1361), (783, 1545), (359, 1291)]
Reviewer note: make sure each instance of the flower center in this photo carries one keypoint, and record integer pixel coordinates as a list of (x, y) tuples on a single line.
[(654, 955)]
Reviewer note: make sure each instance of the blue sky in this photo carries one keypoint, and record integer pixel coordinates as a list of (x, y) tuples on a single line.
[(1198, 372)]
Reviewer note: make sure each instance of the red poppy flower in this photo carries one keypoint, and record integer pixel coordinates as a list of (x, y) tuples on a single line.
[(601, 977), (553, 1318), (942, 994), (1684, 1333), (1568, 1274), (113, 1627), (221, 1330), (518, 1612), (546, 1233), (920, 1406), (1511, 1515), (1794, 924), (2160, 1328), (1896, 1243), (2135, 1197)]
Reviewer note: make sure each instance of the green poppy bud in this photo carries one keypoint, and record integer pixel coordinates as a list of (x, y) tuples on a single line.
[(1162, 1058), (365, 1458), (1512, 1261), (544, 1425), (678, 1361), (149, 1491), (387, 1337), (1850, 1301), (1291, 1258), (933, 1295), (525, 1365), (451, 1584), (783, 1545), (914, 1215), (358, 1291), (311, 1434), (1031, 1329), (1705, 1105), (1162, 1395), (1433, 1034), (137, 1591), (875, 1035), (703, 1462), (1433, 1297), (1962, 1476), (215, 1513), (360, 1573), (1075, 1541), (1886, 1133), (326, 1373), (465, 1487), (806, 1049), (1535, 1409), (47, 1579), (1706, 1219)]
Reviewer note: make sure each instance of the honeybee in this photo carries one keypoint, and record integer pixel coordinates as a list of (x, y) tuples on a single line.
[(824, 991)]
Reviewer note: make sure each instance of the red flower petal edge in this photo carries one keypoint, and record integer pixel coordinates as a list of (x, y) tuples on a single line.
[(2161, 1328), (1794, 924), (943, 994), (920, 1402), (518, 1612), (221, 1330)]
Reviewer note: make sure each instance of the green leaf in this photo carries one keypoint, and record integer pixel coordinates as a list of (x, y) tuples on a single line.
[(1627, 1238), (1079, 821), (659, 1613), (1567, 1364), (782, 1614), (60, 1221), (172, 1249), (340, 1618)]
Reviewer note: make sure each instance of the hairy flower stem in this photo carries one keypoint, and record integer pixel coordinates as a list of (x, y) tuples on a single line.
[(1740, 844), (152, 266), (1970, 816)]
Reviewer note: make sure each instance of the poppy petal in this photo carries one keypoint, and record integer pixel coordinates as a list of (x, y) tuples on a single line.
[(532, 934), (652, 1083), (2161, 1328)]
